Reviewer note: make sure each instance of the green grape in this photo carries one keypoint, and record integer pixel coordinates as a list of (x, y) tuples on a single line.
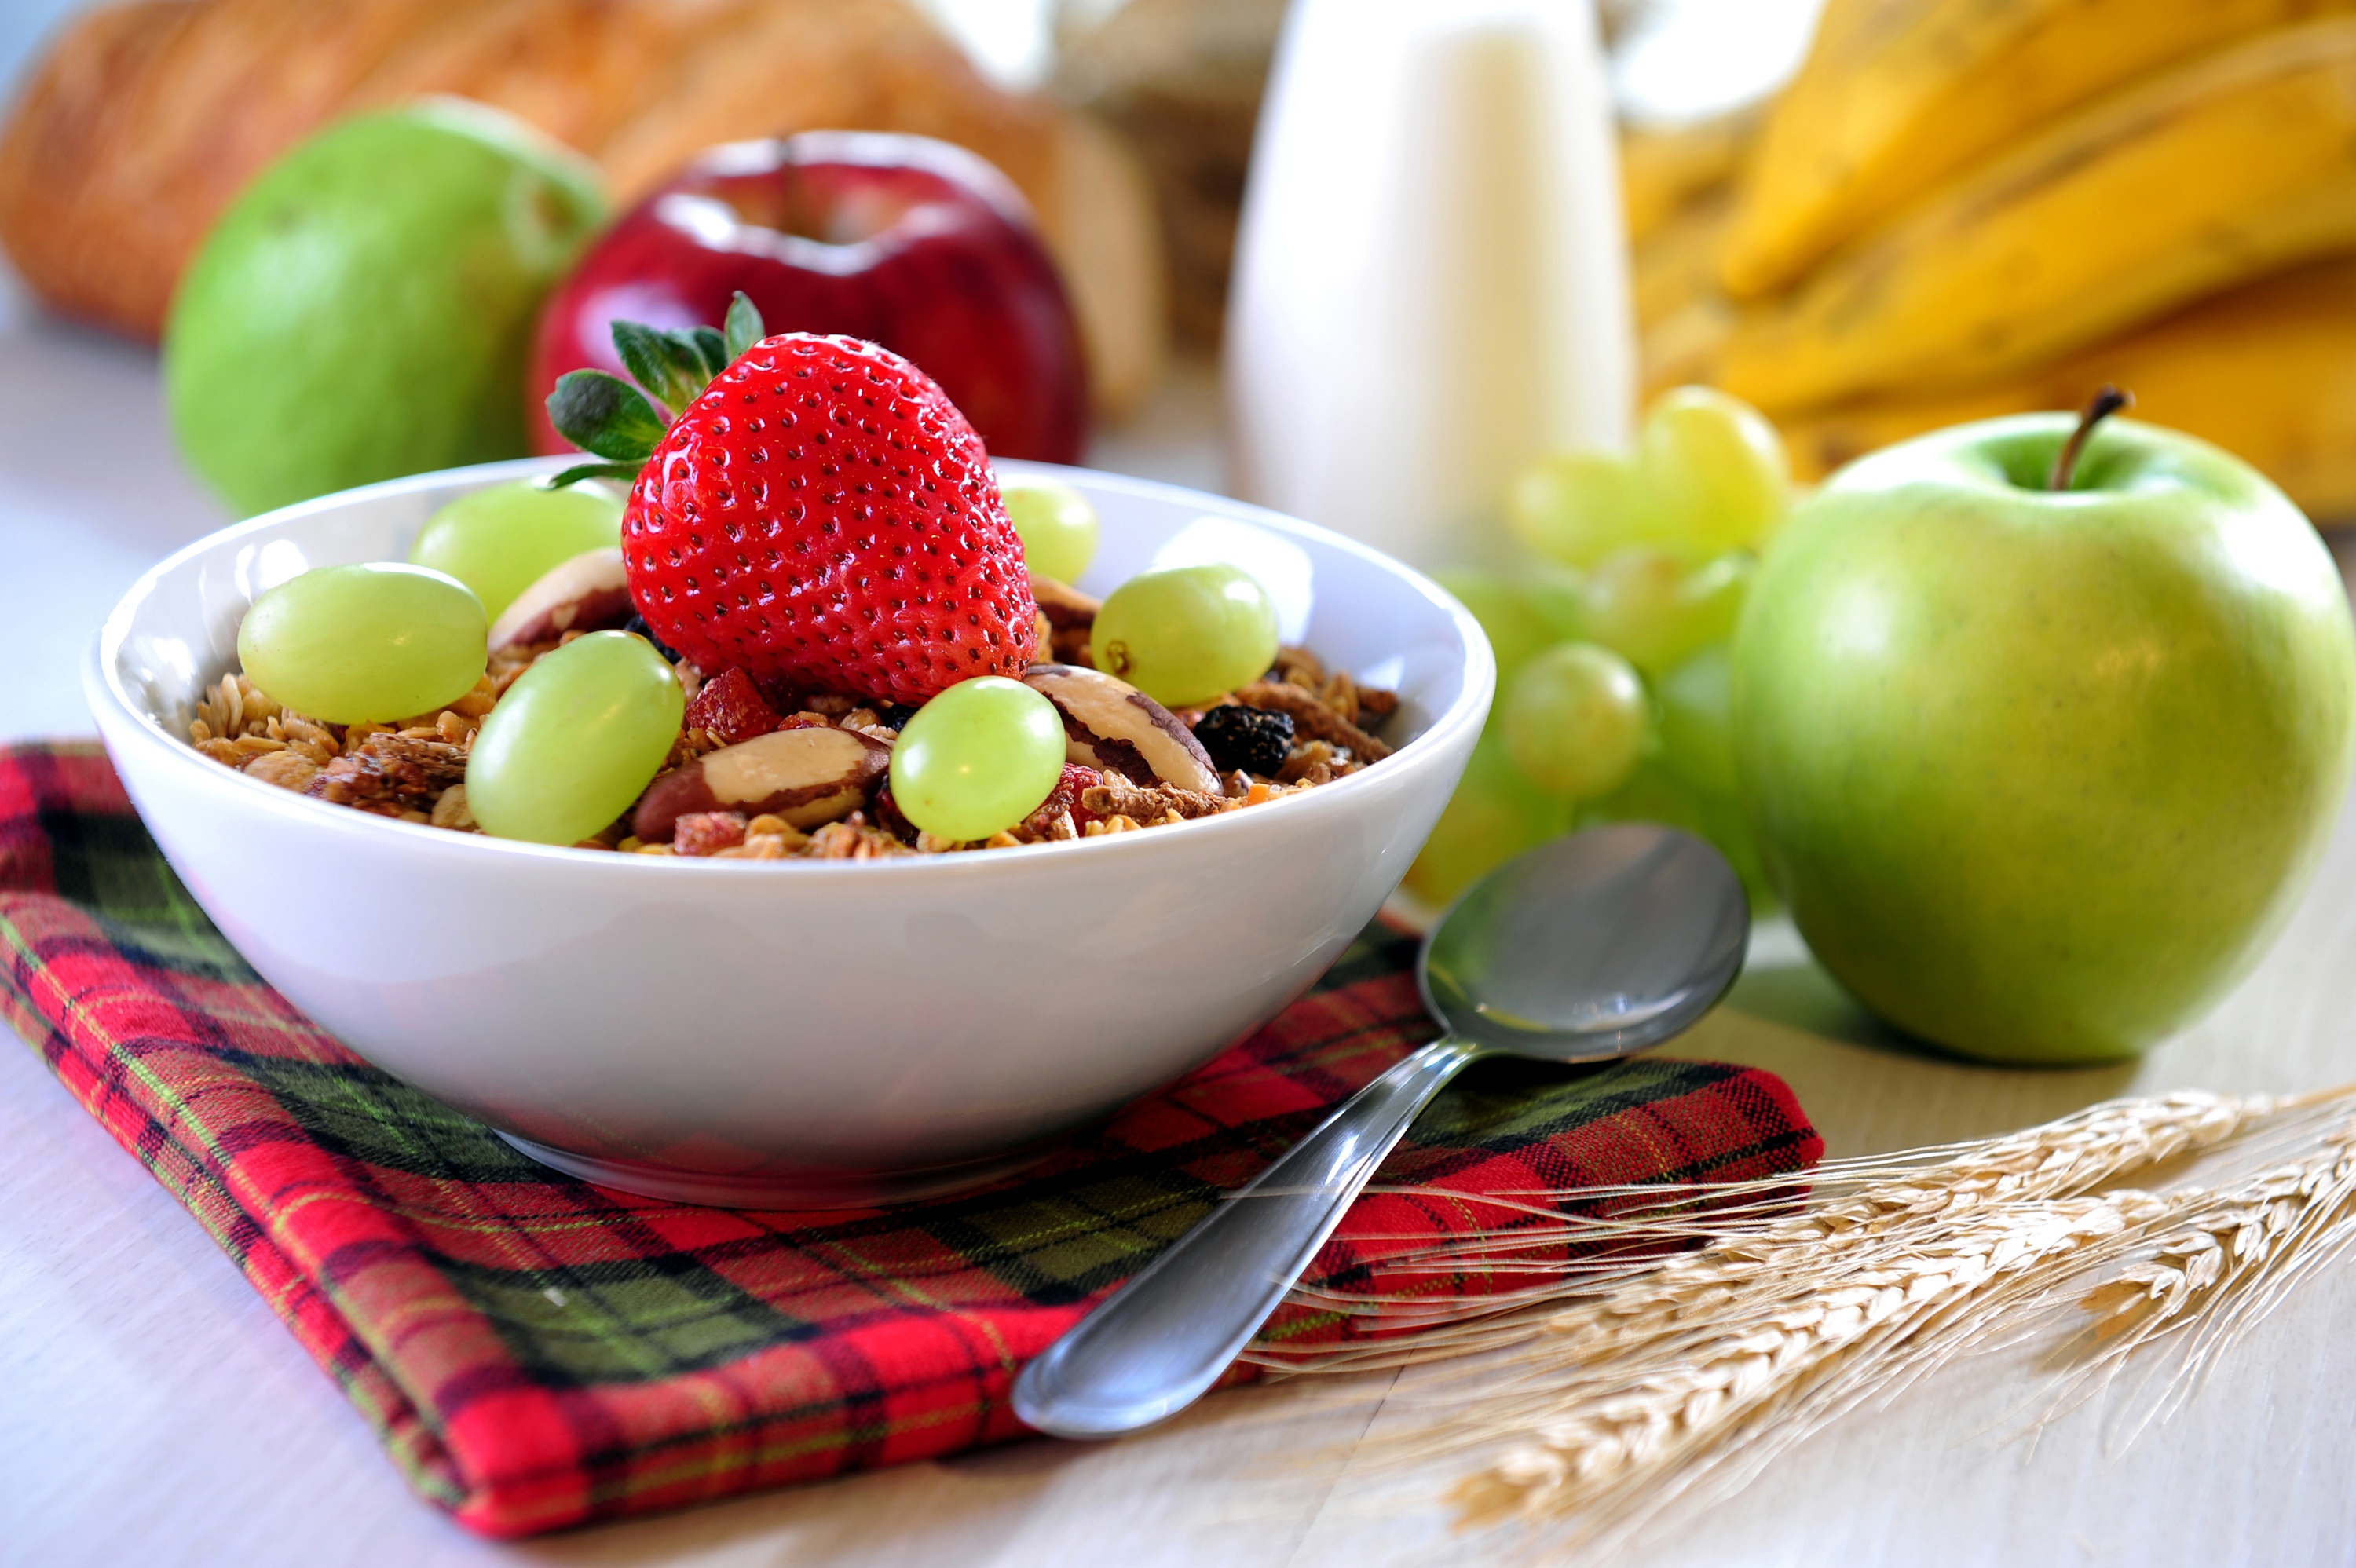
[(1575, 720), (1558, 596), (1714, 470), (371, 642), (576, 740), (1516, 629), (1576, 508), (1648, 605), (500, 539), (1697, 744), (1494, 815), (978, 758), (1187, 634), (1057, 525)]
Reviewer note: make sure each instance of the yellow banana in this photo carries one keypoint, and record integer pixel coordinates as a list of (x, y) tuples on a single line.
[(2267, 371), (1677, 263), (1682, 348), (1898, 95), (2236, 166), (1663, 168)]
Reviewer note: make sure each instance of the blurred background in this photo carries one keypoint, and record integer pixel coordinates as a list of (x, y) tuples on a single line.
[(93, 485), (1443, 274)]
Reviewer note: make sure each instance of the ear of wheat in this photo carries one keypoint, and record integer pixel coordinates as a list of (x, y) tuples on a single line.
[(2195, 1284), (1610, 1386)]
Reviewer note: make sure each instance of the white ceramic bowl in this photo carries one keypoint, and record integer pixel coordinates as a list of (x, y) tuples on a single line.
[(806, 1034)]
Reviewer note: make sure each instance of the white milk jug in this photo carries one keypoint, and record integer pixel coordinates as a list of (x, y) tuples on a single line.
[(1431, 284)]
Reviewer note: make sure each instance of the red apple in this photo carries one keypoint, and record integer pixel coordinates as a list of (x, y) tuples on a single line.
[(912, 243)]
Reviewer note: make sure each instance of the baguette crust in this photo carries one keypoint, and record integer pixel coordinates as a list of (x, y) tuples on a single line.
[(145, 120)]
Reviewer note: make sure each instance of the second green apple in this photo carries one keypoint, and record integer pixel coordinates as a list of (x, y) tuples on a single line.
[(2039, 772)]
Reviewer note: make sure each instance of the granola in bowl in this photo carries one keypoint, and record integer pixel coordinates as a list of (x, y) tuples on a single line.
[(1296, 728)]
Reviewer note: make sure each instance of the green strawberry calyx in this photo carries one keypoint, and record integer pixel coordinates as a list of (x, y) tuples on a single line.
[(622, 423)]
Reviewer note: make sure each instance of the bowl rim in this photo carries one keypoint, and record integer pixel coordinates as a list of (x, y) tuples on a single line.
[(103, 688)]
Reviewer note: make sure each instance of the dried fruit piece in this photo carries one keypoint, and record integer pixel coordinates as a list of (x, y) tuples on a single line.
[(707, 832), (730, 708), (390, 773), (1062, 807), (1311, 719), (1255, 739)]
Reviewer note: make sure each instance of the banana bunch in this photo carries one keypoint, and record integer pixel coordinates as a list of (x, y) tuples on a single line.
[(1964, 207)]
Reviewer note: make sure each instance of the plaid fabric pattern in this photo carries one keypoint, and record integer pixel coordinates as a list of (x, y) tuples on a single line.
[(536, 1352)]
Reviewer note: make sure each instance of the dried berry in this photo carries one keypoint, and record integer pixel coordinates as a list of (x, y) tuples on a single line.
[(1065, 797), (729, 706), (707, 832), (637, 626), (891, 818), (1253, 739)]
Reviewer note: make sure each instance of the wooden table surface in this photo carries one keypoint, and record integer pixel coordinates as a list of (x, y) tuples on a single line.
[(152, 1410)]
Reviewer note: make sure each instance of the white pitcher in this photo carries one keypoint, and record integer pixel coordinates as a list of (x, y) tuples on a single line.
[(1431, 282)]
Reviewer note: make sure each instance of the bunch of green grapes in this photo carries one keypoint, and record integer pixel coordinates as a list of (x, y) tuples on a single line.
[(1613, 673)]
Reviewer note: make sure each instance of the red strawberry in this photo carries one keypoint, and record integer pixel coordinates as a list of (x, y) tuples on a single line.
[(818, 514)]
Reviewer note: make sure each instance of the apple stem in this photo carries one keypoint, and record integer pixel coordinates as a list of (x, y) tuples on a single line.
[(2105, 403)]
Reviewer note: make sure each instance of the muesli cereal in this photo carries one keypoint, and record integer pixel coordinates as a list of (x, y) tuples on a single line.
[(414, 769)]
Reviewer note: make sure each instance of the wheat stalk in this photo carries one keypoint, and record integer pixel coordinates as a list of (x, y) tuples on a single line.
[(1610, 1387), (2222, 1261)]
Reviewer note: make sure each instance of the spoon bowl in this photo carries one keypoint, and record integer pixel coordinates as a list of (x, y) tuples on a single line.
[(1590, 947)]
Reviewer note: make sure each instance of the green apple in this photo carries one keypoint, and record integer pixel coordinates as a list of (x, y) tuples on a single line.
[(2039, 773), (365, 308)]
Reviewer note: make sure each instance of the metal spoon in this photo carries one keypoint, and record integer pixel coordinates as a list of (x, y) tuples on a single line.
[(1591, 948)]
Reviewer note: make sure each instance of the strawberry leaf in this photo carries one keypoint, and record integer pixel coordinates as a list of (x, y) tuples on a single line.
[(742, 328), (667, 363), (604, 414), (625, 472), (710, 345)]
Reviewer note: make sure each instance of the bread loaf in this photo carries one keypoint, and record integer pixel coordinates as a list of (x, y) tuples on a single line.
[(145, 119)]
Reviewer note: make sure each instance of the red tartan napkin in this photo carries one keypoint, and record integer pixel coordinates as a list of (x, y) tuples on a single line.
[(537, 1353)]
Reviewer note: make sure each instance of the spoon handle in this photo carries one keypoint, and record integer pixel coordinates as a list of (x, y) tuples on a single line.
[(1156, 1344)]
